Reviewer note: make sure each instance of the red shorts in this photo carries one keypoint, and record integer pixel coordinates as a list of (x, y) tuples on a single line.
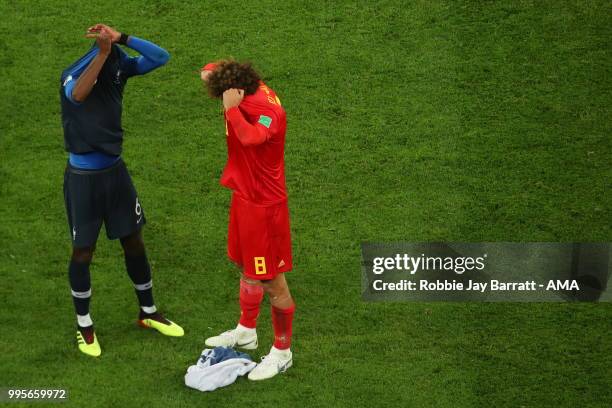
[(259, 238)]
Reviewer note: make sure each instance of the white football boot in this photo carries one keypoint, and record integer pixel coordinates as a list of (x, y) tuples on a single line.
[(278, 361), (241, 336)]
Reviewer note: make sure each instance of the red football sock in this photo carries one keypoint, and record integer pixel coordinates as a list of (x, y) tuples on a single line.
[(282, 320), (250, 299)]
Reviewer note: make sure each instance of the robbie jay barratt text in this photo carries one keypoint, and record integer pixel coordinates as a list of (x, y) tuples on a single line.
[(453, 285)]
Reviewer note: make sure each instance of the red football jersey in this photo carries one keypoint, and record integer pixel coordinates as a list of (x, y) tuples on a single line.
[(255, 133)]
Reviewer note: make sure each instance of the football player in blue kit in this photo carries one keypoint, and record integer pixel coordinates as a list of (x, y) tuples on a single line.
[(97, 186)]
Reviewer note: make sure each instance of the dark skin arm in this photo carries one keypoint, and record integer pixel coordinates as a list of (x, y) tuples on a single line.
[(104, 38)]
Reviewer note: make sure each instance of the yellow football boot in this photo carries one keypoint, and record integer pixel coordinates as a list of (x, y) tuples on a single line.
[(158, 322), (88, 342)]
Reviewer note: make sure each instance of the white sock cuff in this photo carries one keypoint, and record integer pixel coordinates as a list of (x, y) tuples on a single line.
[(149, 309), (84, 321), (144, 286), (244, 329), (81, 295), (278, 351)]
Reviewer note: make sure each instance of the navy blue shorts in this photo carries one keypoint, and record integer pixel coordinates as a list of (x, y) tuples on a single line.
[(93, 197)]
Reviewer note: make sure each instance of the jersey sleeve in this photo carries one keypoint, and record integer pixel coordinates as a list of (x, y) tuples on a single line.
[(151, 57), (251, 134)]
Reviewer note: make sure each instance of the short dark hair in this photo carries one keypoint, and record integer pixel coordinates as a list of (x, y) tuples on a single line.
[(232, 74)]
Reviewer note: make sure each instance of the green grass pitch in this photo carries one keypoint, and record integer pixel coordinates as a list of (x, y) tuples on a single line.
[(407, 121)]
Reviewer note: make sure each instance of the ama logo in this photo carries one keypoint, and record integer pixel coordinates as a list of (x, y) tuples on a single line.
[(562, 285)]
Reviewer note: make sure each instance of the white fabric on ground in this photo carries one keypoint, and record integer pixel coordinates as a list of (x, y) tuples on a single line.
[(208, 374)]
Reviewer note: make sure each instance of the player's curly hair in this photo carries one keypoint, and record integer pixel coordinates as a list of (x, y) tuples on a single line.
[(232, 74)]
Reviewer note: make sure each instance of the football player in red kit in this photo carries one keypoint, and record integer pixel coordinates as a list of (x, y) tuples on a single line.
[(259, 239)]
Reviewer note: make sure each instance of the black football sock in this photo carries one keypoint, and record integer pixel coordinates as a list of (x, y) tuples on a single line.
[(80, 285), (154, 315), (140, 272)]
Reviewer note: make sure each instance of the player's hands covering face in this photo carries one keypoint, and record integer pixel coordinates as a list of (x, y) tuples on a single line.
[(105, 36), (232, 97), (115, 35)]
